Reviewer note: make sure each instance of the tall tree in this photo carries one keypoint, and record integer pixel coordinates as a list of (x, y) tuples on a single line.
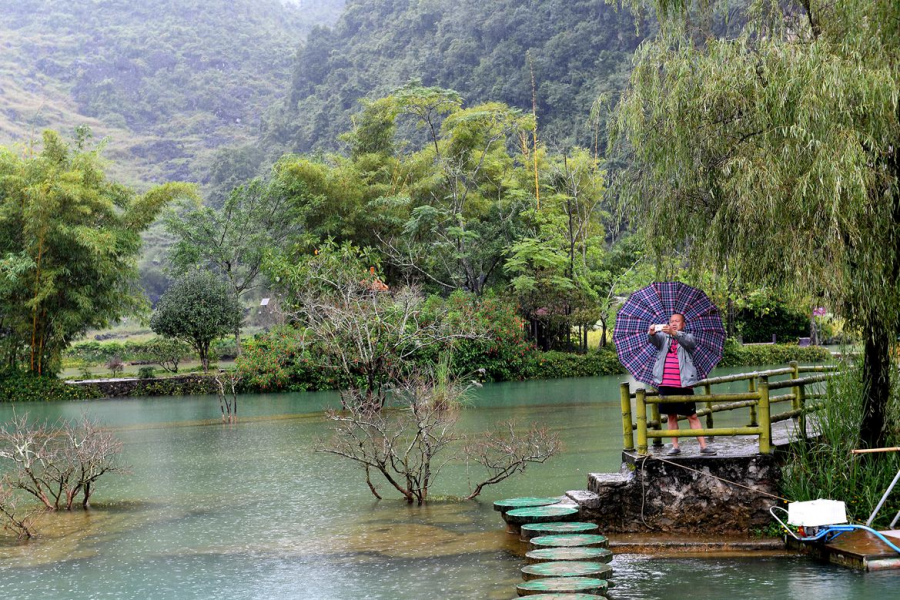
[(776, 151), (233, 240), (69, 243)]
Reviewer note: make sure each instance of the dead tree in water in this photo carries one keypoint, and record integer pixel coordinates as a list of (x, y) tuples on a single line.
[(57, 464), (226, 388)]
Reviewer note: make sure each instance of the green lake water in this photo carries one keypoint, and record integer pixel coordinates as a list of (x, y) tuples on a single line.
[(250, 512)]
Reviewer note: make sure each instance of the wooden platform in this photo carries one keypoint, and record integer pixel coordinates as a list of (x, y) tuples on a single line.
[(856, 549)]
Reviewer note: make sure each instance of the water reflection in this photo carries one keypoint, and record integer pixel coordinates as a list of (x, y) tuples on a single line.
[(250, 511)]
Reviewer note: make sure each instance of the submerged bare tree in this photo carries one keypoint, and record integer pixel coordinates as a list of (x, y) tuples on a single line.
[(10, 518), (226, 389), (506, 452), (405, 441), (57, 464), (411, 440)]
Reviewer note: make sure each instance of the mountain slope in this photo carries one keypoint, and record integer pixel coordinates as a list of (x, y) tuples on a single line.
[(169, 81), (577, 49)]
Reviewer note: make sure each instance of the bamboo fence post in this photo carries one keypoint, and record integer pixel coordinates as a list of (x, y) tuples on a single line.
[(801, 401), (795, 374), (625, 397), (641, 408), (707, 390), (765, 434), (654, 417), (751, 387)]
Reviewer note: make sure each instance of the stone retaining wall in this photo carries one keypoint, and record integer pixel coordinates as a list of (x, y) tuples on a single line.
[(651, 495), (179, 385)]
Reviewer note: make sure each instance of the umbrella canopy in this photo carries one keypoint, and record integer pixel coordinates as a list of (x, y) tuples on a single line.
[(655, 304)]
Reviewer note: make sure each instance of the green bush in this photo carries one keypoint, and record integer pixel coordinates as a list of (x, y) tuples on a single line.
[(146, 373), (20, 387), (738, 355), (552, 365), (278, 361), (785, 323)]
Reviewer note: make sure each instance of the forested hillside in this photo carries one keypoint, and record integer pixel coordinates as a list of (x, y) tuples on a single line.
[(579, 50), (169, 81)]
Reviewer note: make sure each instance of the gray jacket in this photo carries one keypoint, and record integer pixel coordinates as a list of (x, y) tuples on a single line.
[(686, 345)]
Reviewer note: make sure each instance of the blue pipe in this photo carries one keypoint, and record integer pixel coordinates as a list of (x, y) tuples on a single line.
[(839, 529)]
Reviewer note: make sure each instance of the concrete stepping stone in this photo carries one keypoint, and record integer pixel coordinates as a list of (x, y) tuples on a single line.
[(567, 568), (563, 597), (524, 502), (577, 553), (590, 540), (563, 585), (541, 514), (535, 529)]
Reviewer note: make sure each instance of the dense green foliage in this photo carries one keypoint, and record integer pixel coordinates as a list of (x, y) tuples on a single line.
[(197, 309), (69, 242), (826, 468), (20, 387), (171, 80), (774, 153), (471, 205), (576, 50)]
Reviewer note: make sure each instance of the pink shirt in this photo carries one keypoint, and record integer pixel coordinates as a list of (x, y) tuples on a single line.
[(672, 370)]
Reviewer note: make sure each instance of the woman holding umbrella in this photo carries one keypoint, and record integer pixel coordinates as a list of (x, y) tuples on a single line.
[(688, 346), (673, 374)]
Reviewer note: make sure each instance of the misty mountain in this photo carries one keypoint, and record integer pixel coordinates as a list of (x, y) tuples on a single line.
[(576, 50), (168, 81)]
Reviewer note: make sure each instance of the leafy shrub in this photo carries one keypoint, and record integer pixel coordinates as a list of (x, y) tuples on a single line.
[(21, 387), (550, 365), (760, 325), (278, 361), (115, 366), (146, 373), (738, 355), (503, 354)]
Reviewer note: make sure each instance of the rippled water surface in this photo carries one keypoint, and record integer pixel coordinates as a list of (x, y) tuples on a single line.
[(249, 511)]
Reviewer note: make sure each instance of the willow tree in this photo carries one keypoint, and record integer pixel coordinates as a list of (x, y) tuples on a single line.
[(776, 151), (69, 243)]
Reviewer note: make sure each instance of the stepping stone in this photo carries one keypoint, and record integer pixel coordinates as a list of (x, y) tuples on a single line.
[(536, 529), (567, 568), (563, 585), (602, 555), (564, 597), (540, 514), (525, 502), (570, 541)]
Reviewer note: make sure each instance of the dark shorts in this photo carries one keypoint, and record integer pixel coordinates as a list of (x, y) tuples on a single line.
[(685, 409)]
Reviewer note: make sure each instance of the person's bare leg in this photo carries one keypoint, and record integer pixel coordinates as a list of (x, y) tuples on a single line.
[(673, 425), (694, 422)]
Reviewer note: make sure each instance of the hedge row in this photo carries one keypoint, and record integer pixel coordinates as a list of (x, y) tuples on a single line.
[(90, 353), (19, 387)]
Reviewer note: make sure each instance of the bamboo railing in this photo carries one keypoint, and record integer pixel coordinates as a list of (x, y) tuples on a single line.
[(758, 399)]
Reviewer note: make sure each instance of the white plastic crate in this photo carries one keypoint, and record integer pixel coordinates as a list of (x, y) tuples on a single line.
[(816, 513)]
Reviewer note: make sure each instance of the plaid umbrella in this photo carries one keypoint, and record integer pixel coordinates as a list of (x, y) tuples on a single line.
[(655, 304)]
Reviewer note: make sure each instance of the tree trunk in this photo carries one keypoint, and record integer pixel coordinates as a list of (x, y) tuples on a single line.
[(876, 385)]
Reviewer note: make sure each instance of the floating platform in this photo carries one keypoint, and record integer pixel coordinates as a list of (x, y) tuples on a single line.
[(855, 549)]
